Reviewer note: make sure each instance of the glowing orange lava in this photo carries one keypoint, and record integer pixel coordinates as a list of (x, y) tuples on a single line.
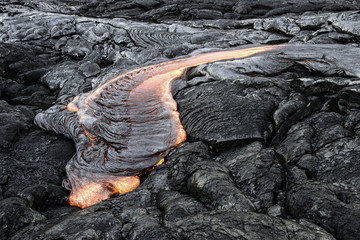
[(154, 82), (160, 162), (92, 193), (72, 106)]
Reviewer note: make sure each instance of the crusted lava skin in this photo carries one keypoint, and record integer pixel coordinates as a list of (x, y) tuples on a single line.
[(128, 124)]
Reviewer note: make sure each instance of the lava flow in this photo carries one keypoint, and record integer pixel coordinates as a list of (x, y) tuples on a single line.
[(125, 127), (94, 192)]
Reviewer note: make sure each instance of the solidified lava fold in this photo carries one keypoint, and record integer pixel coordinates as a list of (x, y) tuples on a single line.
[(125, 126)]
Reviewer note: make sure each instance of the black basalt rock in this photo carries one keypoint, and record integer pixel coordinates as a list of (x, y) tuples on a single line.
[(332, 206), (257, 173), (273, 139), (86, 225), (15, 214), (211, 183), (209, 116), (245, 225), (14, 121)]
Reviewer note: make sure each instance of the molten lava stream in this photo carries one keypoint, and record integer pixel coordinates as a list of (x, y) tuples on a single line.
[(92, 193), (150, 136)]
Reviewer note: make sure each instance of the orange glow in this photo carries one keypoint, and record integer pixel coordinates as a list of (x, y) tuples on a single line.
[(92, 139), (177, 67), (153, 81), (126, 184), (164, 73), (227, 55), (161, 85), (181, 136), (160, 162), (72, 106), (92, 193)]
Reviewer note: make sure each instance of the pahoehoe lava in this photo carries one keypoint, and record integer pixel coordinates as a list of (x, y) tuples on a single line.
[(125, 127)]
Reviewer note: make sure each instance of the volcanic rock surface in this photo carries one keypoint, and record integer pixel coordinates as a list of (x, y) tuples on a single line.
[(273, 142)]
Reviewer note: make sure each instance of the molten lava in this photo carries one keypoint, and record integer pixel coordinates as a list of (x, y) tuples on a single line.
[(125, 127), (92, 193)]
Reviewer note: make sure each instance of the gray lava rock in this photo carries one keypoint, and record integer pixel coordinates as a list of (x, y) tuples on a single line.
[(33, 95), (334, 207), (13, 122), (241, 225), (287, 108), (89, 69), (139, 198), (324, 147), (351, 27), (80, 225), (157, 180), (57, 78), (166, 9), (15, 214), (211, 183), (338, 157), (77, 48), (325, 126), (18, 92), (181, 159), (257, 173), (177, 206), (20, 59), (284, 25), (42, 196), (264, 126), (141, 225), (349, 96), (224, 114), (38, 158)]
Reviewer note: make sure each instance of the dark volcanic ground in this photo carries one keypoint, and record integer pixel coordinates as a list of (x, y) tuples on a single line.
[(273, 149)]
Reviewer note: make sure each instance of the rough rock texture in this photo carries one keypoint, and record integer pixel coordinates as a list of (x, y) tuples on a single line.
[(80, 225), (320, 203), (273, 140), (233, 225)]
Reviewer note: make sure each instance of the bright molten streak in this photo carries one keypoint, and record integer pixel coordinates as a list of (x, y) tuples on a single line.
[(125, 127), (92, 193)]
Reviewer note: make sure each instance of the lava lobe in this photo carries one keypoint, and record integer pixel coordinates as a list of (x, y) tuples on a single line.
[(124, 127)]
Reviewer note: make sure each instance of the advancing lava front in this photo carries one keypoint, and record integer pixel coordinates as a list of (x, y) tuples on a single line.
[(125, 127)]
